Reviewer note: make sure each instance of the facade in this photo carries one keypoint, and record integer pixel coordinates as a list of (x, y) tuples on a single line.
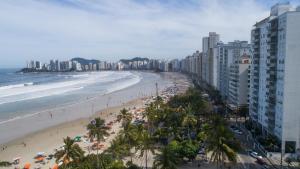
[(274, 81), (209, 74), (175, 65), (192, 64), (226, 55), (238, 87)]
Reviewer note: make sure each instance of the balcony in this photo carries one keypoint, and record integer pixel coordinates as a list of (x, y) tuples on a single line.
[(271, 72), (271, 100), (271, 78)]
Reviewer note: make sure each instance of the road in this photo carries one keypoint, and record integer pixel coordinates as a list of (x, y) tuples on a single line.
[(247, 161)]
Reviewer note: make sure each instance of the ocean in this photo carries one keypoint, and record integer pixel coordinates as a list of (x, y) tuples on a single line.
[(22, 94)]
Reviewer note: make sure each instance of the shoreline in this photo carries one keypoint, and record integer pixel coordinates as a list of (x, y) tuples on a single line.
[(85, 107), (47, 139)]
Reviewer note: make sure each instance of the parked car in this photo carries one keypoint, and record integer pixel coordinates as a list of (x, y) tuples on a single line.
[(237, 131), (201, 151), (253, 154), (260, 161)]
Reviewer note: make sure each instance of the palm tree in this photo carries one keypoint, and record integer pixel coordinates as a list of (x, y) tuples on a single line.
[(97, 130), (130, 135), (70, 152), (125, 116), (117, 148), (189, 120), (166, 159), (145, 145), (218, 140)]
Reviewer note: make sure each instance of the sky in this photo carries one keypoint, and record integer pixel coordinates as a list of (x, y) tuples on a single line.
[(115, 29)]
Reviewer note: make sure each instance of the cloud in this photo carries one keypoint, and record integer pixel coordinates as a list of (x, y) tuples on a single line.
[(114, 29)]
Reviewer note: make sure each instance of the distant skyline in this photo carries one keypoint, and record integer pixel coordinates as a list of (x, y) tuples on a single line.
[(115, 29)]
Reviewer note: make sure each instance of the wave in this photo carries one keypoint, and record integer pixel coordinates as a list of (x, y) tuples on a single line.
[(124, 84), (27, 91), (18, 117), (16, 86), (131, 79)]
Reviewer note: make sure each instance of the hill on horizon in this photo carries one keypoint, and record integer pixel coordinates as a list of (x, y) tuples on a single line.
[(83, 61), (126, 61)]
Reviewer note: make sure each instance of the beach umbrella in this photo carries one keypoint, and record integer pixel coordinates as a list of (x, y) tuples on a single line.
[(55, 166), (40, 158), (27, 165)]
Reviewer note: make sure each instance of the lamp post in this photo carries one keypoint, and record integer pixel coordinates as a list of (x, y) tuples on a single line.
[(282, 153)]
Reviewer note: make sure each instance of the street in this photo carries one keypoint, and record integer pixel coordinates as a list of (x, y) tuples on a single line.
[(247, 161)]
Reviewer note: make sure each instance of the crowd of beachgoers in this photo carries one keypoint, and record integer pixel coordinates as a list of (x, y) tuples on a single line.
[(45, 157)]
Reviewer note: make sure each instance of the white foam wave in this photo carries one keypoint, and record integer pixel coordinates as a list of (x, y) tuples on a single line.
[(134, 79), (18, 117), (15, 86), (28, 91), (124, 84)]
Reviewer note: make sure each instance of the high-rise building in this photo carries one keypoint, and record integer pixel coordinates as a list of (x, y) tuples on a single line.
[(57, 65), (175, 65), (38, 65), (238, 87), (274, 82), (76, 66), (102, 65), (52, 65), (209, 62), (226, 55)]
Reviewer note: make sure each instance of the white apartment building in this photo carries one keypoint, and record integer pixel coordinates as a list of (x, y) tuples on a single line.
[(209, 62), (238, 82), (275, 83), (226, 55)]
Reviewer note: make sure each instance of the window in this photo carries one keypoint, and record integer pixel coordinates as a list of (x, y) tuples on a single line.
[(290, 147)]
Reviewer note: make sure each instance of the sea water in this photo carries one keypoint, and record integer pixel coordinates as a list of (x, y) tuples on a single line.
[(22, 94)]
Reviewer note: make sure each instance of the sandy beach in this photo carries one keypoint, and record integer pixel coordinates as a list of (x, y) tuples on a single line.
[(48, 139)]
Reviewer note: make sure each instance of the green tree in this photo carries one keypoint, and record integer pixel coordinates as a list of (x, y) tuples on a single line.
[(219, 140), (97, 130), (188, 149), (130, 136), (117, 148), (125, 117), (145, 145), (189, 120), (70, 152), (165, 159)]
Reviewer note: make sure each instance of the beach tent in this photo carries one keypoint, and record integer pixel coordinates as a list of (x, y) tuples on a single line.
[(77, 139), (55, 166), (27, 166)]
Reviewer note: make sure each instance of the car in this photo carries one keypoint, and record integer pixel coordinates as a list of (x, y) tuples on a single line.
[(201, 151), (233, 127), (260, 161), (238, 132), (253, 154)]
